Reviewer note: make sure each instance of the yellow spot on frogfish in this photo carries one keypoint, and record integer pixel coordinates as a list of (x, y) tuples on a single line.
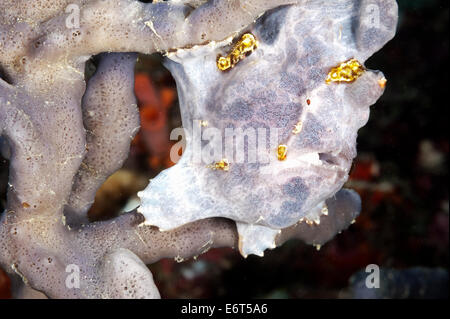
[(282, 152), (382, 83), (345, 72), (222, 165), (246, 45)]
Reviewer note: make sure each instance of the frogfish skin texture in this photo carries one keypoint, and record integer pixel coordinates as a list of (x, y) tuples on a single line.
[(306, 78)]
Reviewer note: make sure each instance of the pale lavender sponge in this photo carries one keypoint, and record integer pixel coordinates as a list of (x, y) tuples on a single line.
[(65, 136)]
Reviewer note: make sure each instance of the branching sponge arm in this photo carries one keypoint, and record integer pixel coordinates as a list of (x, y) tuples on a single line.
[(146, 28), (111, 119)]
